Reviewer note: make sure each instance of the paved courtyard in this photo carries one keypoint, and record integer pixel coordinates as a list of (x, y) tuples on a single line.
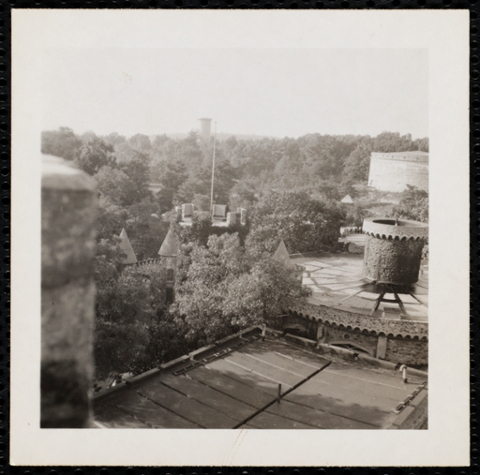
[(336, 281)]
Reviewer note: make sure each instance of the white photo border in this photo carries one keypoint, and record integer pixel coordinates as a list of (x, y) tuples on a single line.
[(445, 34)]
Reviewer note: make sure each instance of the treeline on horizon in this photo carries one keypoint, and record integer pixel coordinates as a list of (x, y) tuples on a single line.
[(324, 165)]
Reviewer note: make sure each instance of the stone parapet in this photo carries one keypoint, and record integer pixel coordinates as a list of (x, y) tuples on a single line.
[(415, 156), (69, 210), (415, 413), (391, 229), (362, 323), (393, 172), (391, 341)]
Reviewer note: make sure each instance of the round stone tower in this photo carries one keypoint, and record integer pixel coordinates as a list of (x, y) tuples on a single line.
[(393, 250), (394, 171)]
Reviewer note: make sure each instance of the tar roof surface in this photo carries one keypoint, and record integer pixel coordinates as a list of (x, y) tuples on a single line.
[(337, 281), (237, 387)]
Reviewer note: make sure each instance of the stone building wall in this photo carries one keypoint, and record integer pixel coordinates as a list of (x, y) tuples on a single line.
[(363, 342), (391, 261), (394, 171), (69, 211), (410, 352), (402, 341), (334, 316)]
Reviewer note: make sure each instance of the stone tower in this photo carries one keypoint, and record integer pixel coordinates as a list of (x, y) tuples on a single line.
[(393, 250), (394, 171)]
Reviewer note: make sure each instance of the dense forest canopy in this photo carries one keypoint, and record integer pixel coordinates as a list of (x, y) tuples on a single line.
[(325, 165), (291, 189)]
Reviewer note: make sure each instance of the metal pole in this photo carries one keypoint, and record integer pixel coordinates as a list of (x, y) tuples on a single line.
[(213, 170)]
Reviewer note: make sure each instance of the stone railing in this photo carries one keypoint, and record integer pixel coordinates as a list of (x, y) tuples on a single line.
[(347, 230), (69, 210), (147, 262)]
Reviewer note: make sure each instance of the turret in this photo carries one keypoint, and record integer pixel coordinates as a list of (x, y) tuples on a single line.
[(393, 250)]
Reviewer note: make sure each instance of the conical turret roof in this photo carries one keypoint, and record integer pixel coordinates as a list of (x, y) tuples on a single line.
[(127, 248), (347, 200), (169, 247), (281, 254)]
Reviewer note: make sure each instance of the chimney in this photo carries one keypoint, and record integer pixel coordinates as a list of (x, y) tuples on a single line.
[(393, 250), (69, 211)]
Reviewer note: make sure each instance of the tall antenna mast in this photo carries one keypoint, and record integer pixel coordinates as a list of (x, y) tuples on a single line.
[(213, 168)]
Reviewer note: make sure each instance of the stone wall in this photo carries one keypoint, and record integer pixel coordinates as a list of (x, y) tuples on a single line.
[(365, 342), (390, 261), (333, 326), (393, 172), (410, 352), (338, 317), (69, 210), (353, 248)]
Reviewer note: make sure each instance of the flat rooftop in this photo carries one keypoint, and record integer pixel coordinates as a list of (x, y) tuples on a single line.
[(336, 281), (235, 384)]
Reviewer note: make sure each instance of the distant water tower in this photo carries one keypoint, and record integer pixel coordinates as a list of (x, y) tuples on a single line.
[(205, 128)]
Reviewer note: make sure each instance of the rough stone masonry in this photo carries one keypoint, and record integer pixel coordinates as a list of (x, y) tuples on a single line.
[(69, 210), (393, 250)]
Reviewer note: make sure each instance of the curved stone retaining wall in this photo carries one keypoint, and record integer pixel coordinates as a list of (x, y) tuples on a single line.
[(405, 329), (393, 340)]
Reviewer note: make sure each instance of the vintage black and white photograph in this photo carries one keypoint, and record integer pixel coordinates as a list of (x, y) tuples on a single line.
[(264, 266), (235, 237)]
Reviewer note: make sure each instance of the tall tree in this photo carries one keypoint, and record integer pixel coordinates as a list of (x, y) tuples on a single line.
[(422, 144), (304, 223), (145, 228), (128, 309), (170, 175), (223, 288), (116, 186), (140, 142), (114, 139), (94, 154), (357, 164), (61, 143), (135, 165), (413, 205)]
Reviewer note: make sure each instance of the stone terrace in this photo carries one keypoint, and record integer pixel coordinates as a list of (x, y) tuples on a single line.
[(337, 282)]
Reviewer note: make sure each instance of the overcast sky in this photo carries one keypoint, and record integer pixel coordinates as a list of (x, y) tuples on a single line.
[(273, 92)]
